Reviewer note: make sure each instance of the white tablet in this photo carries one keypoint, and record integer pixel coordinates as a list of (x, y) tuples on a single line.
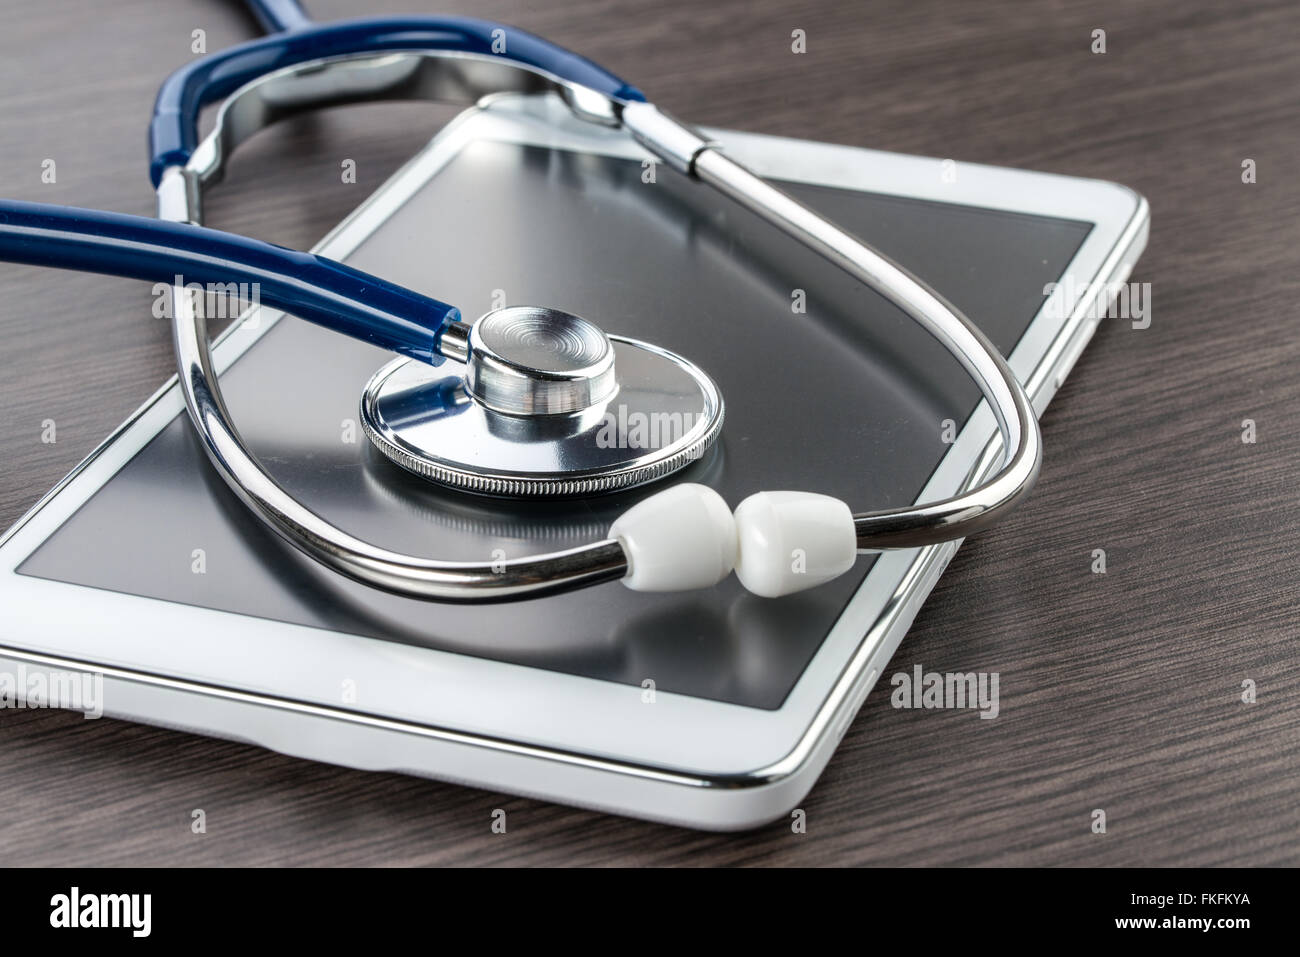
[(713, 709)]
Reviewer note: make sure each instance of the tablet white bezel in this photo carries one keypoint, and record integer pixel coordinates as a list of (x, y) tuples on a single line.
[(498, 702)]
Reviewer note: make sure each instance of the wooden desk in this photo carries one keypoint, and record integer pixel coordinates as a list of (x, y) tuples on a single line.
[(1119, 691)]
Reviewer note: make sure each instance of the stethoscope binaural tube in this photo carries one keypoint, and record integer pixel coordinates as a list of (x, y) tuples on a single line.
[(684, 537), (173, 131)]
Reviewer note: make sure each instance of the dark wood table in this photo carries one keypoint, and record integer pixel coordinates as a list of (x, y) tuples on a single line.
[(1120, 691)]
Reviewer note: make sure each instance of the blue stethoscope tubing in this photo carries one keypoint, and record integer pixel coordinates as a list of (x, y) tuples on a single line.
[(320, 290), (684, 537), (173, 131), (311, 287)]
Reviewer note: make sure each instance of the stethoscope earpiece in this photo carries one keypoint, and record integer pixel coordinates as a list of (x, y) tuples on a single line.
[(777, 543)]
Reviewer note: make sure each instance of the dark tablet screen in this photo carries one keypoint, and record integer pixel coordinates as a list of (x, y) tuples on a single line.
[(845, 397)]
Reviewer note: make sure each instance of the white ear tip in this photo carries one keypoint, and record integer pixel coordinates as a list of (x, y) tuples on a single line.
[(789, 541), (681, 538)]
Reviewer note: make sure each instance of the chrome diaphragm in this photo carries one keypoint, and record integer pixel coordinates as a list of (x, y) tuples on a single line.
[(547, 405)]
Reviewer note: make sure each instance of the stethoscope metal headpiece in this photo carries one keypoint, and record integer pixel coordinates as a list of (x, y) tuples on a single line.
[(531, 360), (548, 405)]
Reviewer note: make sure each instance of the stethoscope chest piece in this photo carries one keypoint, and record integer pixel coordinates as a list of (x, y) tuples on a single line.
[(547, 405)]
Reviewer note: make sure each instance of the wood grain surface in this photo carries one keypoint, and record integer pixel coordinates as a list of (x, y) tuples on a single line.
[(1120, 691)]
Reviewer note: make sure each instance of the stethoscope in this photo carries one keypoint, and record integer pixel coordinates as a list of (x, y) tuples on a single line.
[(545, 401)]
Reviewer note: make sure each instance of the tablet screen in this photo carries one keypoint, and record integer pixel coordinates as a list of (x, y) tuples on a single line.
[(828, 388)]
